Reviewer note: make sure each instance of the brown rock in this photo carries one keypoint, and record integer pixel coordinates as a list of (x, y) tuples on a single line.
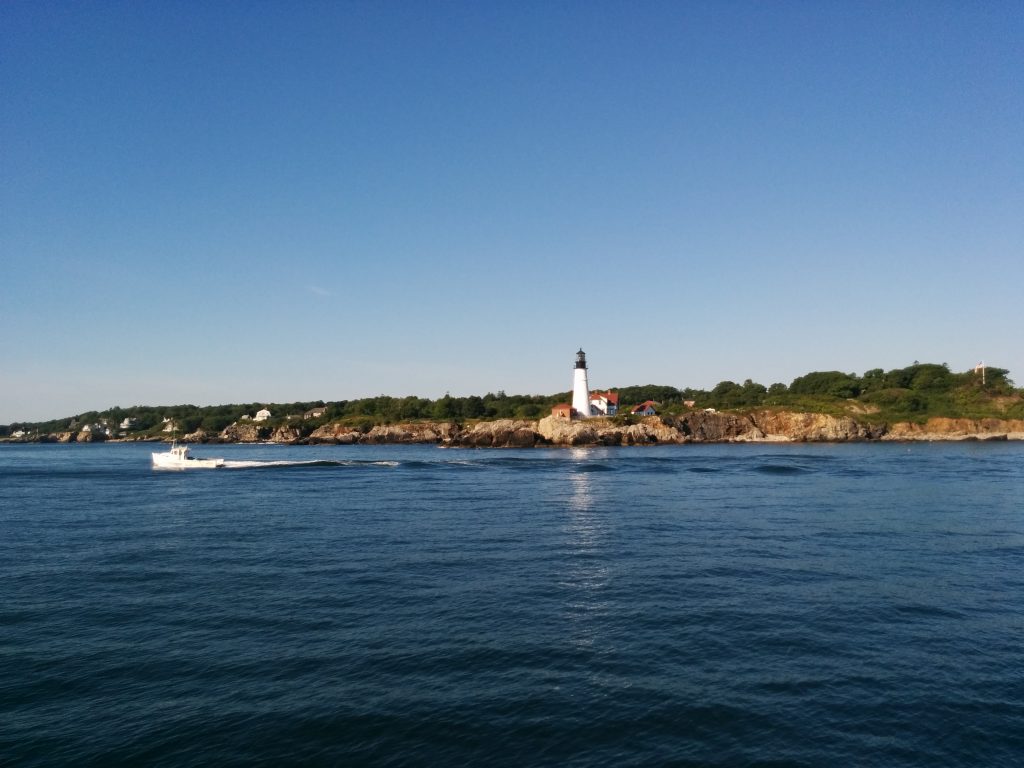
[(333, 433), (241, 433), (503, 433), (562, 432), (651, 430), (287, 435), (427, 432), (700, 426), (808, 427), (939, 428)]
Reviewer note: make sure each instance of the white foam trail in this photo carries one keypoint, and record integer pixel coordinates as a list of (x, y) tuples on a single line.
[(250, 464), (321, 462)]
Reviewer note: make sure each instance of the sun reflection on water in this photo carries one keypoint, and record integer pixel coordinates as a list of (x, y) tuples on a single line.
[(587, 574)]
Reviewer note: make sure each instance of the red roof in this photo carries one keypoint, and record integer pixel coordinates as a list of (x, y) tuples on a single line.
[(611, 397)]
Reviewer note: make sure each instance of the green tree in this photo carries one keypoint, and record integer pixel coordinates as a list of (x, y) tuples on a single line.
[(473, 407), (931, 377), (753, 393), (445, 408), (832, 383)]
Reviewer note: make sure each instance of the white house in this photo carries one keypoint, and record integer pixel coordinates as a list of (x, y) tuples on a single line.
[(604, 403), (262, 415), (645, 408)]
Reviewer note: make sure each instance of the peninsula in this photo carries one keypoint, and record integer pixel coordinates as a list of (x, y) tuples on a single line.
[(924, 401)]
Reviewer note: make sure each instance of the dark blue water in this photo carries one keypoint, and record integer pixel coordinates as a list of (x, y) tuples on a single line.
[(693, 605)]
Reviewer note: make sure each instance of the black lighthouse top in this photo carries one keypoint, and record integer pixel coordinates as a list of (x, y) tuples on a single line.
[(581, 359)]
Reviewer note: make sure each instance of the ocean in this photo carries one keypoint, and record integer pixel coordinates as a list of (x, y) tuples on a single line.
[(696, 605)]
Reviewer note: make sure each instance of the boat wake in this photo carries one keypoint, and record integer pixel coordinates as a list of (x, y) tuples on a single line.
[(315, 463)]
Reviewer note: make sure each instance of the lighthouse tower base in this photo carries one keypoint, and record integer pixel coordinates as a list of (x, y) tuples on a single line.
[(581, 393)]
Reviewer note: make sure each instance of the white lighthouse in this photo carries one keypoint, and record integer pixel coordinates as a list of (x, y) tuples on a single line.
[(580, 388)]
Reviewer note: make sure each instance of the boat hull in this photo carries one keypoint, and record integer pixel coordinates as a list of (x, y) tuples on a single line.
[(172, 461)]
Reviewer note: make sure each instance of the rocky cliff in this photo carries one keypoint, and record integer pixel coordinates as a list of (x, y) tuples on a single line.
[(242, 433), (649, 431), (958, 429), (427, 432), (503, 433), (769, 426), (693, 427), (812, 427), (410, 433), (703, 427)]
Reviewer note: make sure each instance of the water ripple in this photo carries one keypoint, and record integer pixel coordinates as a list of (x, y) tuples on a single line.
[(692, 605)]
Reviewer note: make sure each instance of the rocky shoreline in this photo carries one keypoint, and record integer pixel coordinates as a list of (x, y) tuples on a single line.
[(764, 426)]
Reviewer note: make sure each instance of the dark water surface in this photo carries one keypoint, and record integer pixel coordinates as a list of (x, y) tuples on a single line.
[(815, 605)]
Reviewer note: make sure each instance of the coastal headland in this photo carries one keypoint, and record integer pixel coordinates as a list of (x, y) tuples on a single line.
[(759, 426), (924, 401), (695, 427)]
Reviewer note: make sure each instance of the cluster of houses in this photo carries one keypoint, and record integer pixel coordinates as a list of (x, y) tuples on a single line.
[(603, 404), (169, 425), (263, 414), (586, 404)]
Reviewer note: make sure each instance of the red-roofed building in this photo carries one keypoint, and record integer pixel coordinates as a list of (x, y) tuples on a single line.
[(563, 411), (645, 408), (604, 403)]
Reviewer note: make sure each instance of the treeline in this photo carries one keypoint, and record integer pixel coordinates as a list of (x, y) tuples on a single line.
[(918, 391), (382, 409), (447, 408), (915, 392)]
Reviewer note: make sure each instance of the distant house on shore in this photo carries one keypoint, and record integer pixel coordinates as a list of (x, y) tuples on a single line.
[(261, 415), (315, 413), (604, 403), (563, 411), (645, 408), (128, 423), (689, 403)]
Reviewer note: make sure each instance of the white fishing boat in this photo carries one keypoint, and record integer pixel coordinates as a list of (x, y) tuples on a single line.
[(177, 458)]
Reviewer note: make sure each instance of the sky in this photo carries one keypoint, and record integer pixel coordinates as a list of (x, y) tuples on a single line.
[(238, 202)]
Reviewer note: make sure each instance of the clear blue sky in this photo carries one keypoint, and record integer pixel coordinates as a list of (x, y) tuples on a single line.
[(267, 201)]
